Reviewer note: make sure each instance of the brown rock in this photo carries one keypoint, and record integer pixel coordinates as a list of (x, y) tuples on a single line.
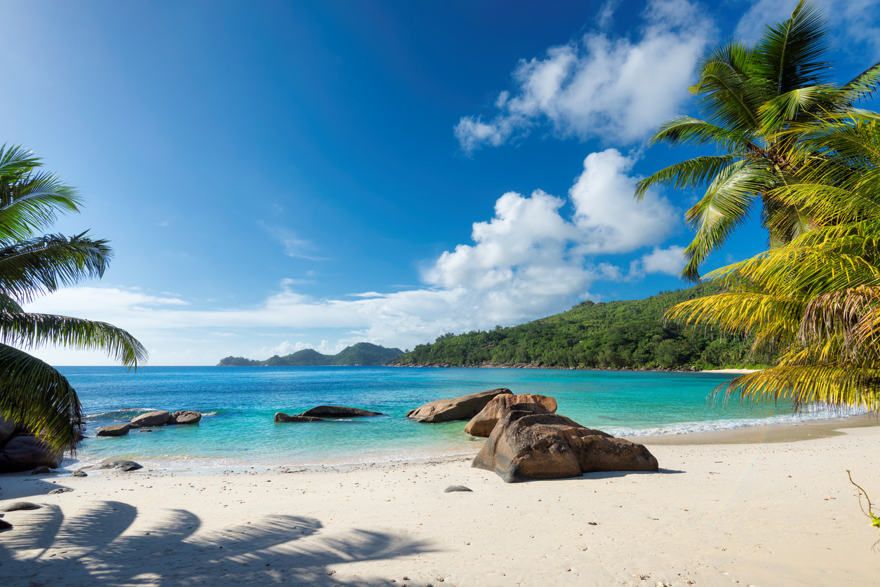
[(528, 443), (456, 408), (114, 430), (24, 452), (157, 418), (483, 423), (339, 412), (122, 465), (185, 417), (282, 417)]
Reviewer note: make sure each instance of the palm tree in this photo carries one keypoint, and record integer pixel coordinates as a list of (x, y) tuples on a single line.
[(32, 393), (752, 97), (817, 298)]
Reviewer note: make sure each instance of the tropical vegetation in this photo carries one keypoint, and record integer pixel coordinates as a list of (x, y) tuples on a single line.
[(813, 160), (755, 100), (33, 394), (629, 334)]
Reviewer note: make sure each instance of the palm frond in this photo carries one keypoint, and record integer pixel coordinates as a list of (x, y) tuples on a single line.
[(686, 174), (790, 52)]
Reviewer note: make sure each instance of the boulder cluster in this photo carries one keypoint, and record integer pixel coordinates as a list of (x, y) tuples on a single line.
[(151, 420), (20, 450), (527, 439)]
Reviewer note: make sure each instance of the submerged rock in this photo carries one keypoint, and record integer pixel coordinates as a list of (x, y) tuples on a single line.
[(20, 506), (483, 423), (185, 417), (282, 417), (529, 443), (457, 408), (339, 412), (114, 430), (122, 465), (24, 452), (155, 418)]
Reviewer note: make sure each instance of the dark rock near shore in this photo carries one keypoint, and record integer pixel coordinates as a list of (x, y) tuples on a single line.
[(60, 490), (185, 417), (281, 417), (122, 465), (483, 423), (339, 412), (4, 526), (42, 470), (20, 506), (114, 430), (80, 473), (457, 488), (156, 418), (528, 443), (457, 408), (24, 452)]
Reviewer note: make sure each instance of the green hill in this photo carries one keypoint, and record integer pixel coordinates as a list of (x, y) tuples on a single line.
[(612, 335), (362, 353)]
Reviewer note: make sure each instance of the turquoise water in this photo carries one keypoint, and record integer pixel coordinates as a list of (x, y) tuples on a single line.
[(241, 403)]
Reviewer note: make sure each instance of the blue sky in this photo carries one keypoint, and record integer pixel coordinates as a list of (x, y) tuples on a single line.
[(281, 175)]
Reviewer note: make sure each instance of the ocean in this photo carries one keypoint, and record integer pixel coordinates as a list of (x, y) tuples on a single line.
[(239, 404)]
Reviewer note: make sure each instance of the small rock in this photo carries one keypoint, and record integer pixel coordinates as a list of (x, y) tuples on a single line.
[(185, 417), (114, 430), (19, 506), (121, 465), (4, 526), (80, 473), (457, 488), (60, 490), (42, 470)]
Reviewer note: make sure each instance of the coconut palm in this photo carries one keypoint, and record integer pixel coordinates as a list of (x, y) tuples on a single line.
[(32, 393), (817, 298), (752, 97)]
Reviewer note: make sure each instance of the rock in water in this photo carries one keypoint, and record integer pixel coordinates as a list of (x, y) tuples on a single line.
[(185, 417), (122, 465), (483, 423), (457, 488), (528, 443), (114, 430), (339, 412), (456, 408), (282, 417), (156, 418), (24, 452), (20, 506)]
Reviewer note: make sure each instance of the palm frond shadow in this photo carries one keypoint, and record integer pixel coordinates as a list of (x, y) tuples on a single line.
[(100, 546)]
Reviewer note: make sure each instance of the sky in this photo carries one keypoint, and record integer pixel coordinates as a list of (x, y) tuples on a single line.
[(275, 175)]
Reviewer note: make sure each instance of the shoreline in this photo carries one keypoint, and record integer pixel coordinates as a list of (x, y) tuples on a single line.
[(714, 514), (722, 371)]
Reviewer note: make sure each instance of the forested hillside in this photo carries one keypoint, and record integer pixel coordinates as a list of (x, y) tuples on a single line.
[(612, 335)]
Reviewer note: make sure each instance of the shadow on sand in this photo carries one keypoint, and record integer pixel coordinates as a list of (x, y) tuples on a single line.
[(99, 547)]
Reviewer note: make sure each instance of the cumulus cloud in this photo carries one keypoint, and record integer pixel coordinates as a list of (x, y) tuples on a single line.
[(857, 20), (614, 88), (669, 260), (535, 256)]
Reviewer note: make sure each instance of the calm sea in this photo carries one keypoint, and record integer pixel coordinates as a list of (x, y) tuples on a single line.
[(240, 403)]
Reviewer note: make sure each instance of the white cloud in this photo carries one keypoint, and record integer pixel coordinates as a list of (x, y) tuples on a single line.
[(669, 261), (857, 20), (611, 88), (293, 245), (535, 256)]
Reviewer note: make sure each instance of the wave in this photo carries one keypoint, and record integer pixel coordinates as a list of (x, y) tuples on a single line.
[(120, 414), (810, 413)]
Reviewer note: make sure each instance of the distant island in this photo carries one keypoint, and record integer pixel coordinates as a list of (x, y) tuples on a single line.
[(612, 335), (360, 354)]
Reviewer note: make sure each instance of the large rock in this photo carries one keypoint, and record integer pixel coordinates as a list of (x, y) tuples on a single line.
[(528, 443), (24, 452), (7, 430), (157, 418), (282, 417), (483, 423), (339, 412), (114, 430), (121, 465), (456, 408), (185, 417)]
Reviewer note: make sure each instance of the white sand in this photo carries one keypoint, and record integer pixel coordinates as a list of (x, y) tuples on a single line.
[(748, 514)]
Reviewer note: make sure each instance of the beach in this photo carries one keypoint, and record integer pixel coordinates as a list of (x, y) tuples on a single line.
[(725, 513)]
